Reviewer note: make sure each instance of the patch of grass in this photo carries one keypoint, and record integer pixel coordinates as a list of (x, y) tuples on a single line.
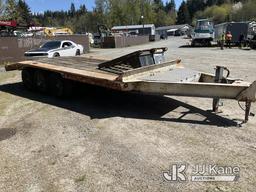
[(4, 63), (4, 102), (80, 179)]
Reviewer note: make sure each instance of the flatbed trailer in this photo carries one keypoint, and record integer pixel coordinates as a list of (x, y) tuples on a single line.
[(143, 71)]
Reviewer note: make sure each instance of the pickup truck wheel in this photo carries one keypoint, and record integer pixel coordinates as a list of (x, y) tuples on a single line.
[(41, 81), (60, 87), (78, 52), (27, 75)]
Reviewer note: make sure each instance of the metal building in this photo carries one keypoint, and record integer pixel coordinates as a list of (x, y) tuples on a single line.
[(147, 29), (174, 30)]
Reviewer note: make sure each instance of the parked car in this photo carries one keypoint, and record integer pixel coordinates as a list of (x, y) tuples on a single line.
[(56, 48)]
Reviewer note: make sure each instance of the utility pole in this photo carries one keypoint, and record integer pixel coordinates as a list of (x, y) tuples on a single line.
[(142, 19), (142, 16)]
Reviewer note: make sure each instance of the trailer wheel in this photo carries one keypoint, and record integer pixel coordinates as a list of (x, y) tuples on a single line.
[(41, 81), (27, 75), (60, 87)]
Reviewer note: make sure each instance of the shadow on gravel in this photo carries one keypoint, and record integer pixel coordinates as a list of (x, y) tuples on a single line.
[(102, 103), (6, 133)]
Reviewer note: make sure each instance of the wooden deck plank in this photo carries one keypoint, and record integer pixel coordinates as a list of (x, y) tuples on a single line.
[(62, 69), (72, 62)]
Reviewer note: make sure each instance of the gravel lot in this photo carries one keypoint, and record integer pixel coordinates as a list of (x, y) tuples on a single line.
[(101, 140)]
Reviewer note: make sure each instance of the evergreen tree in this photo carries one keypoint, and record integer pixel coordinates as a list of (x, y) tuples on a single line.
[(161, 16), (183, 16), (195, 5), (23, 13), (170, 7), (1, 8), (72, 10), (102, 5), (220, 2), (101, 12), (10, 12), (82, 9), (173, 5), (158, 5)]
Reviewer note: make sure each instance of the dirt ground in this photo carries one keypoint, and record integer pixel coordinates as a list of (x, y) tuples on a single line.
[(99, 140)]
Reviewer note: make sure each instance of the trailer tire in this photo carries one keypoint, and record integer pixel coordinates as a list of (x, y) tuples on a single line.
[(41, 82), (59, 86), (27, 75)]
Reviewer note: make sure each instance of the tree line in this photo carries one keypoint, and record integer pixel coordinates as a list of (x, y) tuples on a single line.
[(218, 10), (129, 12), (110, 13)]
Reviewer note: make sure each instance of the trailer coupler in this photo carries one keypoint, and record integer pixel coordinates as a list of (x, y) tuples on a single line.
[(248, 95)]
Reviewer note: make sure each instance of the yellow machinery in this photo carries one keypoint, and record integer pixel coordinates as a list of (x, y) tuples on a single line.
[(50, 32)]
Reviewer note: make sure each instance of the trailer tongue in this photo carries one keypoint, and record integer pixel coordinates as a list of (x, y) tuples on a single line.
[(144, 71)]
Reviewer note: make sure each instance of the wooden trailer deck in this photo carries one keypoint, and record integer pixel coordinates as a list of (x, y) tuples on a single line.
[(105, 73), (75, 63)]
